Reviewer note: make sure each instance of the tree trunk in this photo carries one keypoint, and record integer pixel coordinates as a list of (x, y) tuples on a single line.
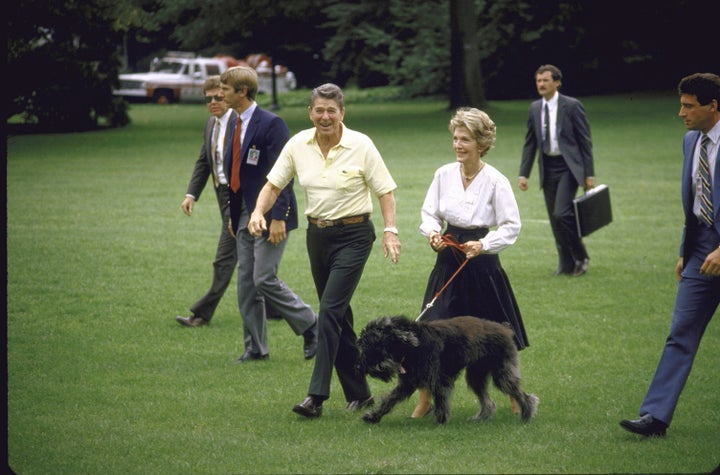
[(466, 83)]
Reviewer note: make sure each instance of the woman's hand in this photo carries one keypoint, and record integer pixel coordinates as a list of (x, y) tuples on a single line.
[(473, 249), (436, 242)]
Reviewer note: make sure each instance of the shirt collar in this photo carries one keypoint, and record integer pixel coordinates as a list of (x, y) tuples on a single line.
[(223, 119), (344, 139), (247, 113), (553, 100), (714, 133)]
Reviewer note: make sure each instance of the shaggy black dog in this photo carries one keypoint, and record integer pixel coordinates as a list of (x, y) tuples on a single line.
[(432, 354)]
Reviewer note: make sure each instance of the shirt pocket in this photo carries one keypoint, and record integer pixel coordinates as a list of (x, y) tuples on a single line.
[(349, 178)]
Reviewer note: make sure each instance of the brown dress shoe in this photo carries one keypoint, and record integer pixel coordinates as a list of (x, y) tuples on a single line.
[(308, 408), (191, 321)]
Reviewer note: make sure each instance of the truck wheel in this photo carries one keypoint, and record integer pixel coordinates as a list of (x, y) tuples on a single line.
[(163, 97)]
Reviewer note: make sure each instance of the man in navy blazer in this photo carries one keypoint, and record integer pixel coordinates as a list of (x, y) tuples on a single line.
[(261, 137), (698, 267), (216, 141), (559, 134)]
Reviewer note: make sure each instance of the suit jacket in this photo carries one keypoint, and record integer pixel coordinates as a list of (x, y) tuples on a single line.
[(690, 141), (205, 163), (573, 135), (265, 137)]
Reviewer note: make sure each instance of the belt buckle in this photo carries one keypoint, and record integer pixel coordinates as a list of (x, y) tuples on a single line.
[(323, 223)]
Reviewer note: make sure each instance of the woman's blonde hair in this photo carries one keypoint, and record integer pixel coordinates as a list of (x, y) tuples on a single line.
[(480, 125)]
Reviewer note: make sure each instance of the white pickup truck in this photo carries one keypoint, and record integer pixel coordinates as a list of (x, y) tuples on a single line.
[(180, 77)]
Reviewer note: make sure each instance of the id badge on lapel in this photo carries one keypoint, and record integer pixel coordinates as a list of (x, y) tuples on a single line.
[(253, 156)]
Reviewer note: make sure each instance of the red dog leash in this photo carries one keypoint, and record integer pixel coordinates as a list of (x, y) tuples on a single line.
[(456, 248)]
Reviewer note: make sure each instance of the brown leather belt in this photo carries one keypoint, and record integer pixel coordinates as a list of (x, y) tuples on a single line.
[(326, 223)]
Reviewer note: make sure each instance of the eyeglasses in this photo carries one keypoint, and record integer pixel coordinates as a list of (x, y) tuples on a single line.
[(208, 99)]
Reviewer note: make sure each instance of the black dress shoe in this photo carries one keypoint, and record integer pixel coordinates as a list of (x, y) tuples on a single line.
[(248, 356), (360, 403), (560, 271), (646, 425), (308, 408), (191, 321), (580, 267), (310, 342)]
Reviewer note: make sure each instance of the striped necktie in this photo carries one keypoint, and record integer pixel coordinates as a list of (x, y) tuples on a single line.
[(215, 156), (706, 203)]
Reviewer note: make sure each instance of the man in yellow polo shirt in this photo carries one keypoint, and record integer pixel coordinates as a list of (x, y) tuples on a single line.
[(339, 169)]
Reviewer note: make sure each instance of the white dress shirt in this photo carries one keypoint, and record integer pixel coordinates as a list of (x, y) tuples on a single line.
[(552, 110), (218, 157), (487, 202)]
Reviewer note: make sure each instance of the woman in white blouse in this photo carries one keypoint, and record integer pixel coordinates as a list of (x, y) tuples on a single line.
[(473, 202)]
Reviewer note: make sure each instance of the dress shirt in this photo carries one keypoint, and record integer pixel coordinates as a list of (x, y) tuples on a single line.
[(712, 151), (339, 186), (245, 120), (219, 169), (552, 109), (488, 202)]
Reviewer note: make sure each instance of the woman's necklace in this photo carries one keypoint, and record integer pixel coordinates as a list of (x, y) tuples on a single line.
[(469, 178)]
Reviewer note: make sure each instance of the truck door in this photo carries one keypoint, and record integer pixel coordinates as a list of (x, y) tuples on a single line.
[(195, 92)]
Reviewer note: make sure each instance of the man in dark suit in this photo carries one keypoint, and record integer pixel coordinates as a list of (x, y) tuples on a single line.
[(559, 134), (698, 268), (259, 136), (216, 143)]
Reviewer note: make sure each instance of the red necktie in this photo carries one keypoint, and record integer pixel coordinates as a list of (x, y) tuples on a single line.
[(235, 167)]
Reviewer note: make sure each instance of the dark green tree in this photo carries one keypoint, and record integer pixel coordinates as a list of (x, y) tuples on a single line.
[(467, 88), (63, 63)]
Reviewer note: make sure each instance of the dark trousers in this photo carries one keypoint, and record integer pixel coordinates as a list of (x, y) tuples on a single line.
[(223, 265), (559, 188), (337, 258)]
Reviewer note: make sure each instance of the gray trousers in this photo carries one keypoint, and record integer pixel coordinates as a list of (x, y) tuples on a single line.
[(257, 281), (223, 265)]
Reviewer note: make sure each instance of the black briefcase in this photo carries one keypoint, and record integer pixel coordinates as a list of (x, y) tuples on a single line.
[(592, 210)]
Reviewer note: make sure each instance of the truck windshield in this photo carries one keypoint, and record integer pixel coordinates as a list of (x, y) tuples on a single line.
[(168, 67)]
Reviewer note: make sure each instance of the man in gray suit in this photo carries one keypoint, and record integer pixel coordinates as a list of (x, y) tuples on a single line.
[(217, 140), (559, 134), (259, 135)]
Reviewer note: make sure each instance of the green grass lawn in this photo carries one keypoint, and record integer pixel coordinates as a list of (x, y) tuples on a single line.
[(100, 259)]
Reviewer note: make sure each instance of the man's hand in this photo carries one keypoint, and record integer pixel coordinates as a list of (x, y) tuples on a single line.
[(257, 224), (391, 246), (711, 266), (187, 205), (522, 183), (678, 268), (278, 231)]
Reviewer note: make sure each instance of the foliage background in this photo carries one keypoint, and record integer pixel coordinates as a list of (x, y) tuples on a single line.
[(64, 58)]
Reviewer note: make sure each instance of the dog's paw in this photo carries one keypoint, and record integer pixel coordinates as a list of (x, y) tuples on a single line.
[(486, 411), (370, 417), (533, 402)]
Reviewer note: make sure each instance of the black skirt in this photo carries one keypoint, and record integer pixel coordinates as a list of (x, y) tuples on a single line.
[(481, 289)]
